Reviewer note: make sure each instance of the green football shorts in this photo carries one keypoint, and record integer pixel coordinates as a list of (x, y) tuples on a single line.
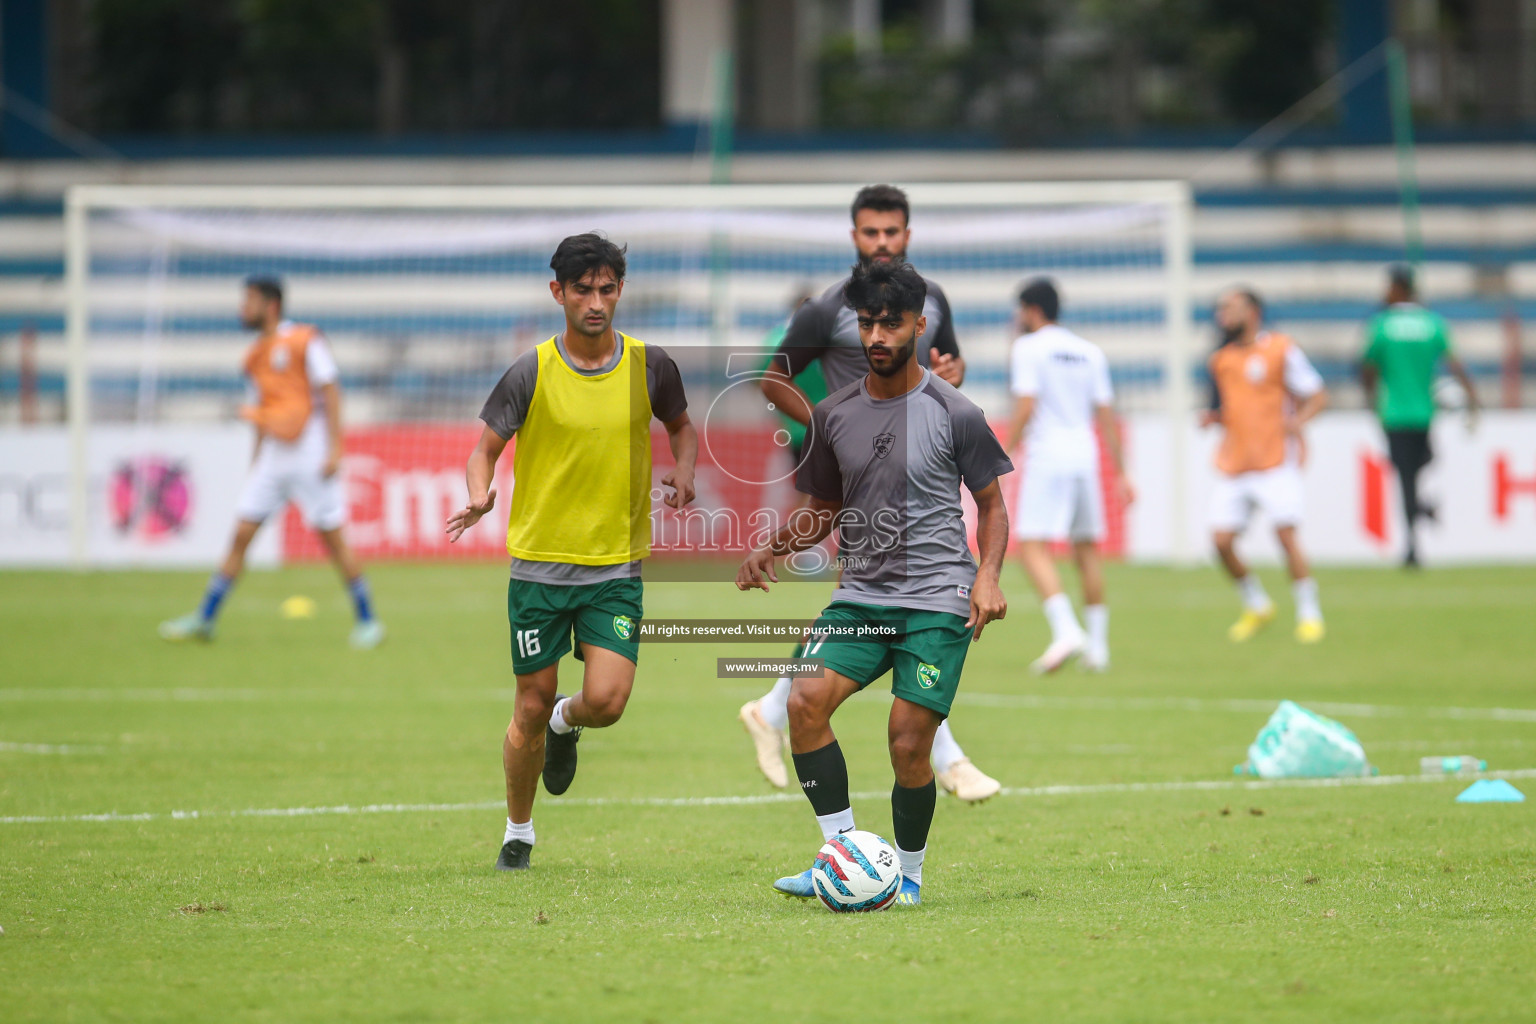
[(545, 616), (925, 650)]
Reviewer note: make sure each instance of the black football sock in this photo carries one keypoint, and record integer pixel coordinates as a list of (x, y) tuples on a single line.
[(912, 814), (823, 778)]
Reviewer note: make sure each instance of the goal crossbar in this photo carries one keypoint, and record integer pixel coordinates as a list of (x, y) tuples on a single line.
[(83, 200)]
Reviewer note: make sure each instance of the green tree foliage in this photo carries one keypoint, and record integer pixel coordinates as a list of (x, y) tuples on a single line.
[(1042, 69), (419, 66)]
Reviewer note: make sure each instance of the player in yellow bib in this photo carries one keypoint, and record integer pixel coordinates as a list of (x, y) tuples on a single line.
[(581, 406)]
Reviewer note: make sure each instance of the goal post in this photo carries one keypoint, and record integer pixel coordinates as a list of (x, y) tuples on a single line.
[(427, 293)]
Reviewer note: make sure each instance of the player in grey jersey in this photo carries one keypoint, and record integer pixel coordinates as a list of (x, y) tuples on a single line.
[(825, 330), (884, 462)]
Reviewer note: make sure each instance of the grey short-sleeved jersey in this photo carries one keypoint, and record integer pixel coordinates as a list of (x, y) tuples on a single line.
[(826, 329), (896, 466), (507, 407)]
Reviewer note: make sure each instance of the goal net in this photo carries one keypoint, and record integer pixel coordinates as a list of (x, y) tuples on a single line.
[(426, 296)]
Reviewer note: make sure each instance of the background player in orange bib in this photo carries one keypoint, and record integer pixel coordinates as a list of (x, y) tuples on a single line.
[(295, 406), (1266, 391)]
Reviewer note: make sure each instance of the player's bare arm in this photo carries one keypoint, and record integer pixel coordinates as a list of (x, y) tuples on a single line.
[(683, 439), (808, 525), (478, 474), (786, 396), (1306, 409), (1369, 376), (332, 395), (1109, 430), (1459, 371), (987, 601), (1023, 412)]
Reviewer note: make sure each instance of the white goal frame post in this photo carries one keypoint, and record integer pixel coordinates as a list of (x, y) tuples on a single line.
[(81, 201)]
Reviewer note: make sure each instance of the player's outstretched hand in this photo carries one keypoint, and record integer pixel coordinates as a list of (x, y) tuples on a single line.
[(756, 571), (469, 515), (987, 604), (948, 368), (1124, 492), (682, 485)]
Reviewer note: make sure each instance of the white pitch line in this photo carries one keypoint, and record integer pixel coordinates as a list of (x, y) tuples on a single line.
[(1197, 704), (87, 695), (1195, 785), (49, 748), (1035, 702)]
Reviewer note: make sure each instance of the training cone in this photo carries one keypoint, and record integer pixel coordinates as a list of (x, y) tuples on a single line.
[(298, 607), (1490, 791)]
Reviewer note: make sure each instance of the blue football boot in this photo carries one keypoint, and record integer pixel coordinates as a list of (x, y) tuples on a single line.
[(798, 886)]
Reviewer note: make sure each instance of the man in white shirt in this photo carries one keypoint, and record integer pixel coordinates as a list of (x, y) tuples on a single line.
[(1061, 389), (295, 406)]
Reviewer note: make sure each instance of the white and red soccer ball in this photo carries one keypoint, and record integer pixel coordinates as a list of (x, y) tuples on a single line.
[(856, 871)]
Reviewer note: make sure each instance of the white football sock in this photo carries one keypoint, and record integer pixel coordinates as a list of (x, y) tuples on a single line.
[(557, 720), (1096, 616), (1255, 597), (773, 706), (912, 864), (837, 821), (1305, 593), (1058, 612), (945, 750), (519, 830)]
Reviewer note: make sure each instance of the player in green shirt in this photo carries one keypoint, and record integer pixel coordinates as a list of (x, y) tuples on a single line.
[(1405, 345), (810, 380)]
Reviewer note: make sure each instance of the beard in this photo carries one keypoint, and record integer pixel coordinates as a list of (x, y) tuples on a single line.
[(899, 357), (1231, 333)]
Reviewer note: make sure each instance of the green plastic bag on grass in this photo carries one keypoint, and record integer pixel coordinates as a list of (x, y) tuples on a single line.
[(1297, 743)]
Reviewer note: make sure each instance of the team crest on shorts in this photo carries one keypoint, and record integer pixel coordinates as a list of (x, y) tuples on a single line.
[(884, 443), (927, 675), (623, 626)]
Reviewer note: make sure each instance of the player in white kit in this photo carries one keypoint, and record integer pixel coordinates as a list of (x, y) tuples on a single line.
[(1061, 390), (295, 406)]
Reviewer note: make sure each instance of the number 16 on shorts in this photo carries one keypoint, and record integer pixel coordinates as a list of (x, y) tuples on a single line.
[(527, 643)]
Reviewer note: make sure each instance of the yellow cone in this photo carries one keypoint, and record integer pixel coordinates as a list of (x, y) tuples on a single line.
[(298, 607)]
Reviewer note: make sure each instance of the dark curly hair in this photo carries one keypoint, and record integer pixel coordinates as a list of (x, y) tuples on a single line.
[(888, 287)]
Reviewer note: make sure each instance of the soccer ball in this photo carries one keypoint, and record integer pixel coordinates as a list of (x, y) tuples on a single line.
[(856, 871)]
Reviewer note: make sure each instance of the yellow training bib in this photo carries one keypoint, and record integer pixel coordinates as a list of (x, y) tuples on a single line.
[(582, 464)]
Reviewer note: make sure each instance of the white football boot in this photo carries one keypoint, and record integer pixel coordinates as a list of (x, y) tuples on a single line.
[(768, 742), (1059, 653), (965, 781)]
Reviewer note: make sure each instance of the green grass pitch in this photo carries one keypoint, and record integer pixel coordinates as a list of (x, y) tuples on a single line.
[(649, 902)]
